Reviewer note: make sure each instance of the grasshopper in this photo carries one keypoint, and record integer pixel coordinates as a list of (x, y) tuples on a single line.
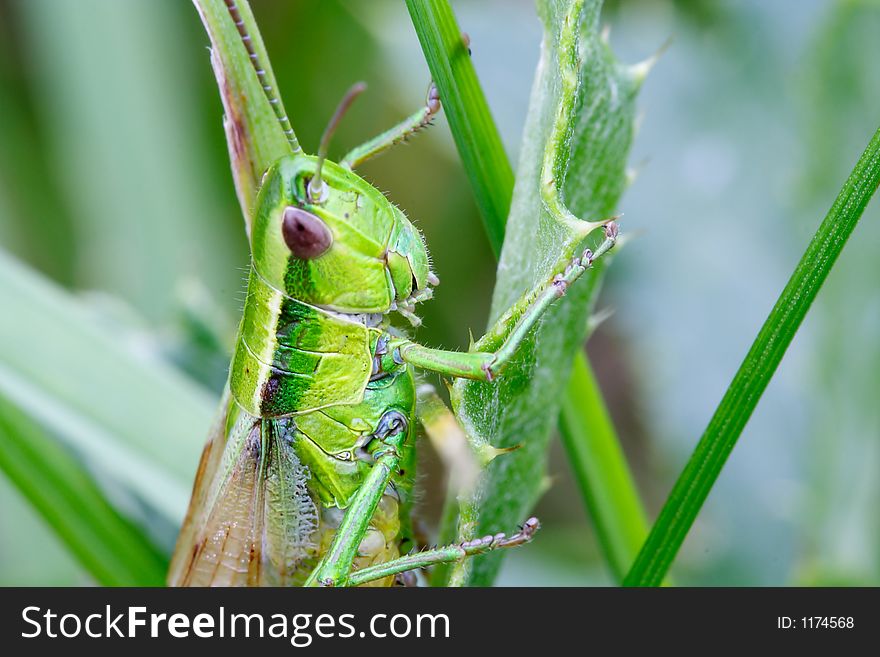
[(307, 475)]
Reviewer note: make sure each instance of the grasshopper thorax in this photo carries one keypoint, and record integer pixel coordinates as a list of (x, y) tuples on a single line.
[(349, 250)]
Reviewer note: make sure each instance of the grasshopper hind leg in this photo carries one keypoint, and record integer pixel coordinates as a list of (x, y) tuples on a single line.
[(336, 567), (447, 554), (336, 564), (378, 543)]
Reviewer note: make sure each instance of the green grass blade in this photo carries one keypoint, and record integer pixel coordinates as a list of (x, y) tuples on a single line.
[(112, 548), (254, 136), (592, 445), (601, 471), (471, 123), (759, 365)]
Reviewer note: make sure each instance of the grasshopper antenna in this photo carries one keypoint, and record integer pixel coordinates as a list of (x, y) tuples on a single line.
[(316, 185)]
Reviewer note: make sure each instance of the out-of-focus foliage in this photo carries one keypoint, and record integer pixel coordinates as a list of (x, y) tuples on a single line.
[(114, 177), (696, 481)]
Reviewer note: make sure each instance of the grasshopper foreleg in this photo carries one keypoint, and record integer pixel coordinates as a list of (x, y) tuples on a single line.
[(522, 316), (402, 131)]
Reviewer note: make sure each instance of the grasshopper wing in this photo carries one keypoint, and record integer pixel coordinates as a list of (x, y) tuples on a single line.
[(251, 520)]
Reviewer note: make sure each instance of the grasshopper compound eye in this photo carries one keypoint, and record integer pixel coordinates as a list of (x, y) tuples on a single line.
[(306, 235)]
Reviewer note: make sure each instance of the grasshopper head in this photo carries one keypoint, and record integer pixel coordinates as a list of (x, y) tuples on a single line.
[(348, 249)]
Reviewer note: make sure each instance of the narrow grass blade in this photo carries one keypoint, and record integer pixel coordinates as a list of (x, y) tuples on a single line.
[(750, 381), (112, 548), (601, 471), (471, 123), (589, 437)]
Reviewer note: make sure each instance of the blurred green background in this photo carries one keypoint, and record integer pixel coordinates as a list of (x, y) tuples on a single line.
[(115, 183)]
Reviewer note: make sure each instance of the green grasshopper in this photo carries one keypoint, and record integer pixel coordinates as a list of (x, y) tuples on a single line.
[(307, 476)]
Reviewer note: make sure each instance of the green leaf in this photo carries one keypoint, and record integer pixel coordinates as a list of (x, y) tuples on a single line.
[(736, 407), (592, 164), (254, 134), (136, 423), (112, 548), (474, 131)]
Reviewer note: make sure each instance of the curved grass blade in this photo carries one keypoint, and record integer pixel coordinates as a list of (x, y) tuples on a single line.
[(439, 35), (736, 407), (112, 548)]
